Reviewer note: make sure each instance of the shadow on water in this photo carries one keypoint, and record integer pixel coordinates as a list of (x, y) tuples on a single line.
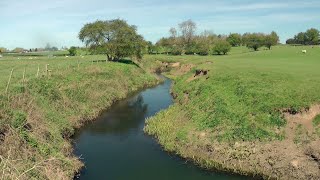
[(115, 147)]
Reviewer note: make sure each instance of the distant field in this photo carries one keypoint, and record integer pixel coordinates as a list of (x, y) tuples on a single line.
[(31, 63)]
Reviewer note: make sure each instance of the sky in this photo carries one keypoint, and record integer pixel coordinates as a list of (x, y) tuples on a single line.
[(34, 23)]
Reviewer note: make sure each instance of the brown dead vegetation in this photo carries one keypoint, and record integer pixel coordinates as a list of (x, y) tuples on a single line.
[(18, 159)]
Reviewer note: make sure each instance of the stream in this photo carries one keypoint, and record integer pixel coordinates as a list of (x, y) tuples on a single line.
[(114, 146)]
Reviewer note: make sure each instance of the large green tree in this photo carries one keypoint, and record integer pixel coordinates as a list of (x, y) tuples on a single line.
[(312, 36), (300, 38), (255, 40), (115, 38)]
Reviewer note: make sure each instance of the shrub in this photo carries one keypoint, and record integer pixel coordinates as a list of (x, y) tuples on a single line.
[(221, 47), (73, 51)]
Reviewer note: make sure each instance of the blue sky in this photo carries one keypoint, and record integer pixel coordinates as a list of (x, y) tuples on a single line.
[(33, 23)]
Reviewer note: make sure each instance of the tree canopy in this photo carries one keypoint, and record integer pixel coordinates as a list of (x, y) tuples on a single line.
[(221, 47), (271, 39), (234, 39), (115, 38), (185, 40), (253, 41), (310, 37)]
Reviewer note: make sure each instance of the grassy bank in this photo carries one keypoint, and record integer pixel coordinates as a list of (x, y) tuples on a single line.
[(251, 113), (39, 114)]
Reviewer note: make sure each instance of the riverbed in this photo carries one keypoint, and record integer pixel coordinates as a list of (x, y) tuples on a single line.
[(114, 146)]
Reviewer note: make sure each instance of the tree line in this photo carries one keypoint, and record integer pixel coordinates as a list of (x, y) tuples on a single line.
[(184, 40), (310, 37)]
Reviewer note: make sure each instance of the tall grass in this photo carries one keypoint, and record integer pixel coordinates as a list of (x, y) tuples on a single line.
[(38, 118)]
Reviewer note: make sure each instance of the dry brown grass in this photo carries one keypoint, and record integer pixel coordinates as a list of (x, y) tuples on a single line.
[(36, 124)]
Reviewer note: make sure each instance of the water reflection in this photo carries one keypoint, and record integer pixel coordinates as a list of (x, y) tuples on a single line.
[(124, 117), (115, 147)]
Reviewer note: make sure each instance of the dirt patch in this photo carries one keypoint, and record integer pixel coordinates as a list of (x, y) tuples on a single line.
[(198, 73), (303, 118), (268, 160), (174, 65)]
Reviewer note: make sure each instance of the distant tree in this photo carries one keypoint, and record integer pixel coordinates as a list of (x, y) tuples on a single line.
[(18, 50), (234, 39), (300, 38), (244, 38), (47, 47), (221, 47), (271, 40), (3, 50), (290, 41), (188, 29), (255, 40), (202, 47), (203, 43), (164, 46), (72, 51), (176, 50), (312, 36), (150, 47), (173, 32), (138, 48), (115, 38)]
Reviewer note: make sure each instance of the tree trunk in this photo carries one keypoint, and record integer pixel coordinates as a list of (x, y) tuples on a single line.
[(109, 57)]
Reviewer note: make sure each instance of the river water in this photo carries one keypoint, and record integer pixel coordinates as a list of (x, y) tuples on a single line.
[(115, 147)]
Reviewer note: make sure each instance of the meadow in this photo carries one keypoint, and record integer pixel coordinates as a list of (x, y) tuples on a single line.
[(38, 114), (239, 116), (245, 98)]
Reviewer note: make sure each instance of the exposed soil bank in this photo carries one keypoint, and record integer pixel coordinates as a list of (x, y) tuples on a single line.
[(287, 159)]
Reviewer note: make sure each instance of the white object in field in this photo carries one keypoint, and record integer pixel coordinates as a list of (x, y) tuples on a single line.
[(1, 56), (304, 51)]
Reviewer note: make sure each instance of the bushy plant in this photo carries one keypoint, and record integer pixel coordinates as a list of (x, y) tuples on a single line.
[(221, 47)]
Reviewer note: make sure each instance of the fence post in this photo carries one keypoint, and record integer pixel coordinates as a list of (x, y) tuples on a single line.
[(24, 76), (47, 69), (38, 71), (9, 81)]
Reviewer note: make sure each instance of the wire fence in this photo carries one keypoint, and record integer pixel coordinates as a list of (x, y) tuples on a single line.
[(19, 73)]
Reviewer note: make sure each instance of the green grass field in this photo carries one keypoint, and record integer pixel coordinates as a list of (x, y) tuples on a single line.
[(246, 91), (31, 63), (243, 100)]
